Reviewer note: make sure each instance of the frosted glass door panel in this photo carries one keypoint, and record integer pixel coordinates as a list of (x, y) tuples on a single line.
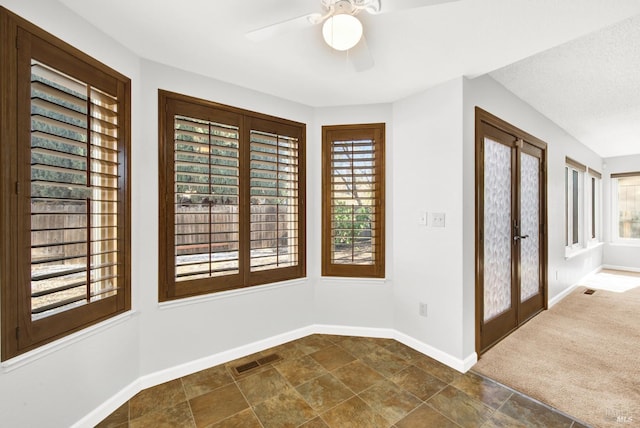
[(529, 225), (497, 228)]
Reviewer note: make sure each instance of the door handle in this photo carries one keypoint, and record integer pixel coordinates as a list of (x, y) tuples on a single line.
[(515, 238)]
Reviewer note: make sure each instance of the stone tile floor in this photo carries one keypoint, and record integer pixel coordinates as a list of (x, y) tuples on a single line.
[(337, 382)]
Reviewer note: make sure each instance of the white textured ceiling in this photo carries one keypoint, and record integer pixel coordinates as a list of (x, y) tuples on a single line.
[(589, 86), (413, 49)]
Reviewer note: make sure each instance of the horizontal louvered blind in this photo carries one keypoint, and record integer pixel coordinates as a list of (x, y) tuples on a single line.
[(74, 192), (206, 199), (274, 201), (232, 202), (353, 202)]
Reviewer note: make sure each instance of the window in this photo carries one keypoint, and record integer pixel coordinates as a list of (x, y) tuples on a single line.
[(626, 201), (594, 180), (353, 200), (65, 191), (574, 173), (231, 198)]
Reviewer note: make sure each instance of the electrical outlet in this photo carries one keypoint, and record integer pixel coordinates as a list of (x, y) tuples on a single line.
[(422, 309)]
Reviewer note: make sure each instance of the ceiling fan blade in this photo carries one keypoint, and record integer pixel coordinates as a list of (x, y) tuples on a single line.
[(360, 56), (289, 25), (395, 5)]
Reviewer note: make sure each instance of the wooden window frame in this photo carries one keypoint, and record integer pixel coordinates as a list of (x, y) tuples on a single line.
[(172, 104), (22, 41), (375, 131)]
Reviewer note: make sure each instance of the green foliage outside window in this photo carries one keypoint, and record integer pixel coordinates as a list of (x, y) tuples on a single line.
[(350, 222)]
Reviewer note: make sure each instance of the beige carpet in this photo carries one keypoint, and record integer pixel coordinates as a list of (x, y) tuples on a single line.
[(582, 357)]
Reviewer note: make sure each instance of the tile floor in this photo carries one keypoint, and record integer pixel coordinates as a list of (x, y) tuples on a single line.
[(337, 382)]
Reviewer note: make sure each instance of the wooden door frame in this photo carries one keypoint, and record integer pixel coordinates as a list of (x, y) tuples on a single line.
[(484, 117)]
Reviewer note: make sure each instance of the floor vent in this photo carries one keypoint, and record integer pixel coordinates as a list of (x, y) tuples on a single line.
[(267, 359), (589, 291)]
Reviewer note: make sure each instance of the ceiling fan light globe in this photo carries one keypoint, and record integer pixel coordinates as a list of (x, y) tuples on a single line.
[(342, 32)]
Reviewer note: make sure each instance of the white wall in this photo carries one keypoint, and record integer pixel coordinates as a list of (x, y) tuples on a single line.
[(173, 335), (343, 301), (428, 174), (489, 95), (64, 383), (429, 160), (59, 388), (617, 254)]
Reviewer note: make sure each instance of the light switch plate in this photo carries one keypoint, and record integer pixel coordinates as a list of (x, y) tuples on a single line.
[(438, 219), (422, 219)]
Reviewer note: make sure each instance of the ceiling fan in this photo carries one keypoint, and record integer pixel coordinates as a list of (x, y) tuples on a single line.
[(341, 29)]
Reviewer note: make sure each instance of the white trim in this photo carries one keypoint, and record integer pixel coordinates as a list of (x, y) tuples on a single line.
[(354, 281), (223, 357), (343, 330), (187, 301), (616, 239), (561, 296), (625, 242), (569, 289), (435, 353), (572, 247), (594, 244), (569, 254), (44, 350), (469, 362), (161, 376), (109, 406), (614, 267), (388, 333)]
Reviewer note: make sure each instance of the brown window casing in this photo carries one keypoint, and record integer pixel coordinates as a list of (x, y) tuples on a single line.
[(575, 164), (353, 207), (65, 206), (232, 197)]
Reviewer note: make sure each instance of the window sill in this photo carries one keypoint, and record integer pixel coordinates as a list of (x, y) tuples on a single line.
[(575, 252), (187, 301), (594, 244), (44, 350), (625, 243), (354, 280)]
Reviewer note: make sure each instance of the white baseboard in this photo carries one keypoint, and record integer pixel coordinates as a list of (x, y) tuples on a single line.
[(343, 330), (628, 269), (569, 289), (388, 333), (435, 353), (223, 357), (561, 296), (162, 376), (109, 406)]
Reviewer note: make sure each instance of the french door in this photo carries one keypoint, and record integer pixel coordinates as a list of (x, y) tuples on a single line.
[(511, 256)]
